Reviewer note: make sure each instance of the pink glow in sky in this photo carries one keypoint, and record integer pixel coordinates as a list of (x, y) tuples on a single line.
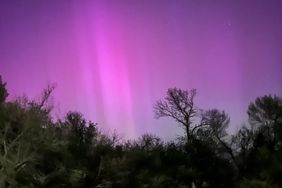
[(112, 60)]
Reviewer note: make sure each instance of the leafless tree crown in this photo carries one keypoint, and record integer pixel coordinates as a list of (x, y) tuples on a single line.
[(178, 104)]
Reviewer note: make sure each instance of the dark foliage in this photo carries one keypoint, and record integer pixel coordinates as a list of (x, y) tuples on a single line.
[(38, 152)]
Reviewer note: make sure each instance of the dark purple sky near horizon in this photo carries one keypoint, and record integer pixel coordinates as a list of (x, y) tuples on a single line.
[(111, 60)]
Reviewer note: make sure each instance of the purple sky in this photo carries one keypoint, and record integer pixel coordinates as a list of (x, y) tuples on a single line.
[(112, 60)]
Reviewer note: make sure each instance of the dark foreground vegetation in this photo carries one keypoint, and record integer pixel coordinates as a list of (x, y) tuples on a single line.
[(36, 151)]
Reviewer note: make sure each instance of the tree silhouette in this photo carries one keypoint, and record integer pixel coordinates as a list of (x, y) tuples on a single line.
[(3, 91), (37, 151), (265, 115), (214, 124), (178, 104), (266, 111)]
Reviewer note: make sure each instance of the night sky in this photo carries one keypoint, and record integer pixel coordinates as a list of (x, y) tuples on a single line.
[(111, 60)]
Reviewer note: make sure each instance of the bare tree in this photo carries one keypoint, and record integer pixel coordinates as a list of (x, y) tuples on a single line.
[(178, 104), (215, 123)]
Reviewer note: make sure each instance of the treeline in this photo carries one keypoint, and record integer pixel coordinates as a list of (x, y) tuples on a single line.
[(36, 151)]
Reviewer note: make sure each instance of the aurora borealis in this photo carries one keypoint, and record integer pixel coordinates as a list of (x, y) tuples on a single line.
[(111, 60)]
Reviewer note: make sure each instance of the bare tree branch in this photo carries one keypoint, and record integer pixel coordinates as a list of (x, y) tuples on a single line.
[(179, 105)]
